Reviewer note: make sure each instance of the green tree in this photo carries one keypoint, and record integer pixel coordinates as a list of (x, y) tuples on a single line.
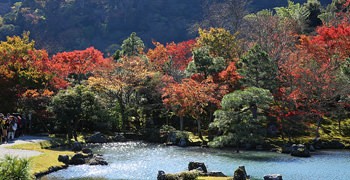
[(73, 105), (258, 70), (294, 11), (132, 46), (314, 7), (242, 117), (205, 64)]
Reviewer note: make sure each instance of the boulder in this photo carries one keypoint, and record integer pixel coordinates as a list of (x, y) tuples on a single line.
[(87, 151), (334, 144), (240, 173), (119, 138), (97, 160), (182, 142), (300, 150), (286, 148), (77, 159), (197, 166), (172, 137), (77, 146), (273, 177), (64, 159), (97, 138), (161, 175)]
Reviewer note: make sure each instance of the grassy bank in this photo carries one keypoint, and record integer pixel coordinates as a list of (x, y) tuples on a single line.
[(47, 159)]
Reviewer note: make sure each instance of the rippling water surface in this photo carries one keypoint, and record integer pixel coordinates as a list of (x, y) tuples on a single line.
[(138, 160)]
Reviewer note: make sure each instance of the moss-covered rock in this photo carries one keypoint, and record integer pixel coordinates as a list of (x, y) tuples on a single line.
[(300, 150)]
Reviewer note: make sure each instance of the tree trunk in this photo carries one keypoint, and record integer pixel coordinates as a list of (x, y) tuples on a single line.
[(282, 129), (69, 131), (237, 147), (75, 127), (318, 127), (122, 113), (199, 129), (181, 123), (254, 110)]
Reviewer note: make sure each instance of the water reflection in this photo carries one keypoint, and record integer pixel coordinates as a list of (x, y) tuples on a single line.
[(138, 160)]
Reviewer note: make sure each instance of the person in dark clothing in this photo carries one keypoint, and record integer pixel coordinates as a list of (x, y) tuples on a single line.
[(5, 125), (12, 128)]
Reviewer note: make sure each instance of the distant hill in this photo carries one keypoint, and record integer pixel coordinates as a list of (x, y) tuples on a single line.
[(268, 4), (59, 25)]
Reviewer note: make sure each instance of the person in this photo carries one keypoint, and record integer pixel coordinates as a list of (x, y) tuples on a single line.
[(2, 120), (24, 124), (5, 126), (12, 128), (18, 132)]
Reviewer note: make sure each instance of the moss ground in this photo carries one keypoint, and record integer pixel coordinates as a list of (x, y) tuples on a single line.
[(47, 159)]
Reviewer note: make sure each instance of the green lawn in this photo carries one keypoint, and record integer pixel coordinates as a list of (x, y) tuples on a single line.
[(46, 160)]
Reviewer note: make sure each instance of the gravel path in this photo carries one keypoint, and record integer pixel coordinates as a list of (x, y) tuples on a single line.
[(21, 153)]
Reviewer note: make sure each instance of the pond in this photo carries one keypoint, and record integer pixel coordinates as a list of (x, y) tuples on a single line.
[(139, 160)]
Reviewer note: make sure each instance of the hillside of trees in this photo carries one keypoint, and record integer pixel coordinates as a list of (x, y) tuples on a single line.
[(243, 77), (77, 24)]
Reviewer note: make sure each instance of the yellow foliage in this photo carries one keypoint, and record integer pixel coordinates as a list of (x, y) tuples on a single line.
[(221, 43)]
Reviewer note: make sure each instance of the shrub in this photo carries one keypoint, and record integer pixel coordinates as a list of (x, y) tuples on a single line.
[(14, 168)]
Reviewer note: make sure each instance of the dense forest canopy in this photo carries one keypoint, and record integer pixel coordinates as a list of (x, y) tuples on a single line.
[(244, 72), (77, 24)]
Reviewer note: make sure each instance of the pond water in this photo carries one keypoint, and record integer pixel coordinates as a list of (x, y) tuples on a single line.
[(138, 160)]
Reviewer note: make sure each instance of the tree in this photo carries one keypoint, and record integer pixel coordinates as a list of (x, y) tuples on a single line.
[(275, 36), (335, 13), (226, 14), (189, 98), (123, 83), (22, 68), (132, 46), (296, 12), (220, 42), (310, 77), (76, 66), (73, 105), (241, 118), (204, 64), (171, 59), (313, 21), (258, 70)]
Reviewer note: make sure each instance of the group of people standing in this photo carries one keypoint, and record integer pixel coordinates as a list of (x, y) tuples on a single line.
[(11, 127)]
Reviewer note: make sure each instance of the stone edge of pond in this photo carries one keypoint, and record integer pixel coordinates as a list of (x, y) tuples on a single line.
[(51, 169)]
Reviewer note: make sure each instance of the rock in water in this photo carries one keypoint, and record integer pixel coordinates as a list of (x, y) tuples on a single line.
[(119, 138), (77, 146), (182, 142), (197, 166), (300, 150), (97, 138), (161, 175), (240, 174), (77, 159), (64, 159), (97, 160), (273, 177), (87, 151)]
